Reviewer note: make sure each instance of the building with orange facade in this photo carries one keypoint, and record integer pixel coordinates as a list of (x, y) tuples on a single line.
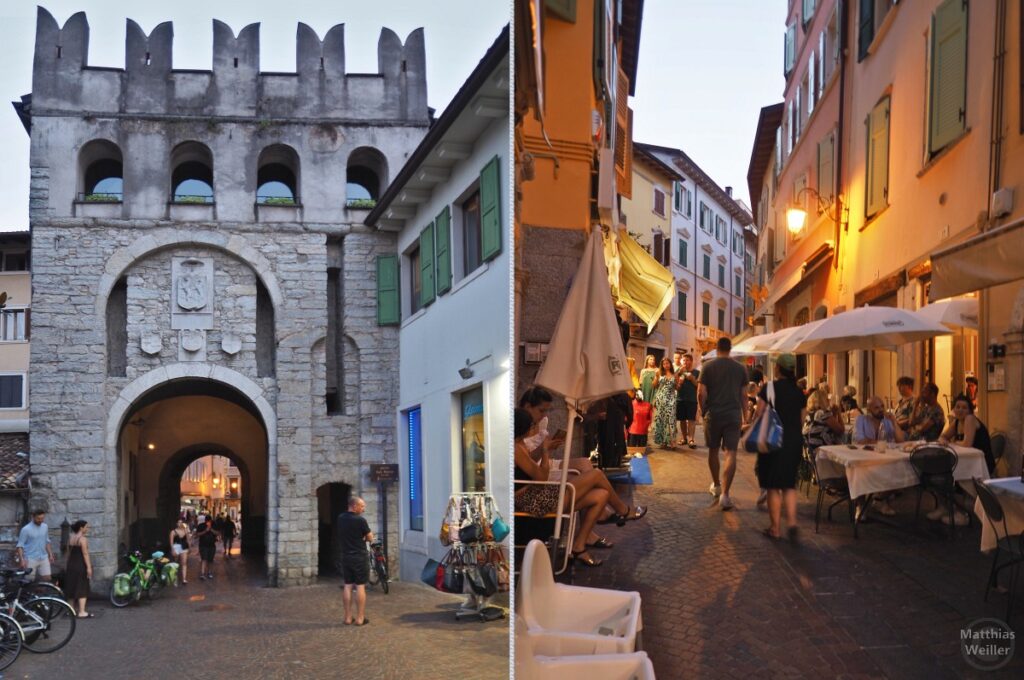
[(576, 65)]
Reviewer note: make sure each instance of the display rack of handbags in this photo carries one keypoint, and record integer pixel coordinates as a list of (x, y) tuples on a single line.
[(475, 564)]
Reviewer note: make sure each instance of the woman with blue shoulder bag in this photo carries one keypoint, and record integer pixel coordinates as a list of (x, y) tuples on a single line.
[(777, 466)]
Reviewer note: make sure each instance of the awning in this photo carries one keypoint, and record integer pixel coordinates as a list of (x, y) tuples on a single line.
[(644, 284), (819, 257), (987, 260)]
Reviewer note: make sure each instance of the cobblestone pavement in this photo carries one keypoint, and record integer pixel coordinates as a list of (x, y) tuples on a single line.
[(233, 627), (722, 601)]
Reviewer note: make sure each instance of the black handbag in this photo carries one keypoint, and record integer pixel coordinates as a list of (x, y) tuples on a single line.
[(471, 533), (489, 574), (453, 573)]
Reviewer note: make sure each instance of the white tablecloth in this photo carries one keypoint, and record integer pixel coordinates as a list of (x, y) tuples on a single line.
[(874, 472), (1010, 492)]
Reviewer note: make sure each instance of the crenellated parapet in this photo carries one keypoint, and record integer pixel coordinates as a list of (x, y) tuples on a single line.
[(234, 87)]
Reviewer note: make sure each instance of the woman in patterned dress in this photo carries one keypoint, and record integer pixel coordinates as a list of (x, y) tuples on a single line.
[(664, 405)]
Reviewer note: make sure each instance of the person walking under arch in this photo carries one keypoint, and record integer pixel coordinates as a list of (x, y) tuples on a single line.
[(179, 549), (721, 396), (227, 535), (207, 539), (353, 533)]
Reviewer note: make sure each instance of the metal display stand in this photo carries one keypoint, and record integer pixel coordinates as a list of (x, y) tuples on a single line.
[(475, 606)]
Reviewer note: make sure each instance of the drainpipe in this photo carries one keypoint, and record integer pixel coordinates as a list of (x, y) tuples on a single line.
[(840, 127)]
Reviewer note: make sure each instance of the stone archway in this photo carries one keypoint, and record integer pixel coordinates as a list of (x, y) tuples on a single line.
[(129, 450)]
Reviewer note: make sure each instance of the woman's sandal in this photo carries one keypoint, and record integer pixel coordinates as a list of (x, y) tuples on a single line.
[(601, 543), (767, 533), (620, 520), (586, 559)]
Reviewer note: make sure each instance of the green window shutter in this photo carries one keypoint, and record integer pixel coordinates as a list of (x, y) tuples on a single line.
[(490, 210), (388, 308), (706, 314), (443, 256), (682, 252), (681, 307), (948, 92), (867, 28), (826, 179), (877, 194), (427, 282)]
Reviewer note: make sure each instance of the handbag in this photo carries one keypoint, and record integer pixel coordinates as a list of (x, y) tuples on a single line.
[(499, 528), (429, 573), (446, 524), (475, 575), (453, 573), (765, 435), (497, 558), (472, 531)]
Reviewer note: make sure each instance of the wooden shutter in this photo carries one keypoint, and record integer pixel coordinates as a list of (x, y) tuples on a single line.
[(443, 254), (812, 90), (681, 306), (490, 210), (878, 158), (826, 181), (866, 32), (388, 309), (623, 137), (659, 202), (659, 244), (789, 58), (28, 323), (428, 286), (947, 99), (682, 252)]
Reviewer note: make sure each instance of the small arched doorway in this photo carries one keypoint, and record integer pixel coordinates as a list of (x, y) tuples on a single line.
[(331, 501), (168, 428)]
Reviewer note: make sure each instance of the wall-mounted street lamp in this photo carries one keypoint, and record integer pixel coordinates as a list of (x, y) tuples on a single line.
[(796, 215)]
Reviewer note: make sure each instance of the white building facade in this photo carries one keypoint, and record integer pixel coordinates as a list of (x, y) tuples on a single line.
[(450, 204)]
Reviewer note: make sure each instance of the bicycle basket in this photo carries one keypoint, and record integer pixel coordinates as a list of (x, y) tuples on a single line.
[(122, 585)]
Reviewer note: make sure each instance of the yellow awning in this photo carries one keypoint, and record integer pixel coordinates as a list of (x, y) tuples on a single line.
[(645, 285)]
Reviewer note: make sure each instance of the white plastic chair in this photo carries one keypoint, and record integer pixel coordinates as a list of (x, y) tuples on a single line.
[(570, 620), (633, 666)]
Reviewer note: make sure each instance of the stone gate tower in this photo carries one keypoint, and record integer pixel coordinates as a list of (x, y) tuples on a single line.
[(202, 281)]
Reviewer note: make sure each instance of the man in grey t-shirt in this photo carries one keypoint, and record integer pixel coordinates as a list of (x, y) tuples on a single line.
[(722, 394)]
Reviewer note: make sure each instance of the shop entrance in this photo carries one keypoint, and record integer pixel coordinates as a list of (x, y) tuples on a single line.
[(331, 501)]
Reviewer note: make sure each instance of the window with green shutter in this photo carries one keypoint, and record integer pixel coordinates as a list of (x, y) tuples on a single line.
[(707, 267), (443, 254), (826, 178), (877, 185), (721, 276), (721, 320), (490, 210), (866, 32), (947, 97), (682, 252), (706, 313), (681, 306), (428, 286), (388, 308)]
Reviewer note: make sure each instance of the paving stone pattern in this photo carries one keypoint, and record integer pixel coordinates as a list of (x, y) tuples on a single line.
[(232, 627), (722, 601)]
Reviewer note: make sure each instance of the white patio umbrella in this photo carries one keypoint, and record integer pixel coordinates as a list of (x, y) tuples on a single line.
[(868, 328), (952, 312), (788, 342), (734, 354), (760, 344), (585, 360)]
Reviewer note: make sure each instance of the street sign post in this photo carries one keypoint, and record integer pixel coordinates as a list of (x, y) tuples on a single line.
[(384, 473)]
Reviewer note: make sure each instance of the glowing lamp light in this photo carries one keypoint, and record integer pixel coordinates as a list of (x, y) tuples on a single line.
[(234, 485), (215, 480), (151, 446), (795, 219)]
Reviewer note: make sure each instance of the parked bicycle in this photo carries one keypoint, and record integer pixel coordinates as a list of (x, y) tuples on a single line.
[(11, 640), (46, 623), (378, 565), (145, 577)]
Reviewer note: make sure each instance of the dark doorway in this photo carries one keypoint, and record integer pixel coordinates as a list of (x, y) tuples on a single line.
[(331, 501)]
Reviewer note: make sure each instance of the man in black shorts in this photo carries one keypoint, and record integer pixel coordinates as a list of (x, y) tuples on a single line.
[(721, 395), (686, 401), (353, 532), (207, 539)]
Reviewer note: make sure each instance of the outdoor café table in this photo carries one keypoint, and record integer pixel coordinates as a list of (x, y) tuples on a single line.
[(1010, 491), (869, 472)]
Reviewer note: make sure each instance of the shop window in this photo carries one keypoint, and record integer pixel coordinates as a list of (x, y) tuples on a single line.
[(473, 437), (414, 435)]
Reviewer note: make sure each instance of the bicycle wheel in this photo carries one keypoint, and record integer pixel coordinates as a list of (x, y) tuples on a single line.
[(125, 599), (372, 577), (156, 586), (11, 641), (382, 574), (40, 589), (48, 624)]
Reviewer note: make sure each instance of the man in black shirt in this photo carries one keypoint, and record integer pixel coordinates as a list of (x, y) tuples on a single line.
[(353, 532)]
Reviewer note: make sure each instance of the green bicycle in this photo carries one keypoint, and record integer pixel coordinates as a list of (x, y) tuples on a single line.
[(147, 577)]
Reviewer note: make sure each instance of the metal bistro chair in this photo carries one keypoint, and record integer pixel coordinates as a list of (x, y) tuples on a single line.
[(830, 487), (529, 527), (1005, 543), (934, 465), (998, 446)]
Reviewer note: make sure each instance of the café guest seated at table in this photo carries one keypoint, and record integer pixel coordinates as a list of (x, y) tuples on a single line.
[(966, 429), (876, 425), (928, 418)]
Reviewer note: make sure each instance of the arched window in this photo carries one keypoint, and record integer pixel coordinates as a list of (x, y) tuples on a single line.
[(192, 173), (277, 180), (367, 175), (100, 172)]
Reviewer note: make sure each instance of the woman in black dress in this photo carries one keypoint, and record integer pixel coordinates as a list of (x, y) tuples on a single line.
[(78, 571), (777, 471)]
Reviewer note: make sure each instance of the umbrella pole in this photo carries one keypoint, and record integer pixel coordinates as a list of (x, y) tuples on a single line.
[(564, 467)]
